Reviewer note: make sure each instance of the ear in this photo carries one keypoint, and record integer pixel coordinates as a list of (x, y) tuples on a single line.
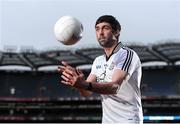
[(117, 33)]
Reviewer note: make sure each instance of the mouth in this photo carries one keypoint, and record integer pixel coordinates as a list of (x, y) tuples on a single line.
[(101, 38)]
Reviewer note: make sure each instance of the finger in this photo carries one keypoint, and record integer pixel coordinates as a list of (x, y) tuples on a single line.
[(64, 82), (61, 68), (68, 77), (67, 73), (70, 72), (65, 63), (79, 71), (65, 77)]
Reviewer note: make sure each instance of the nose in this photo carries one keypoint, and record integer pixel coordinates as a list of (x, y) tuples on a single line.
[(100, 31)]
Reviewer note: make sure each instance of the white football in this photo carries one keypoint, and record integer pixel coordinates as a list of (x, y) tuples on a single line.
[(68, 30)]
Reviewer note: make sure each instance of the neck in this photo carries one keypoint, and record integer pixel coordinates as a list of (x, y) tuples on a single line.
[(109, 50)]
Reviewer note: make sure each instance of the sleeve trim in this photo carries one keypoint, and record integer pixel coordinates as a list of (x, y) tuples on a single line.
[(128, 60)]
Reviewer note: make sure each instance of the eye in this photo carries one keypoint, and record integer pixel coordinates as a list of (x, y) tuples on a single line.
[(97, 29), (106, 27)]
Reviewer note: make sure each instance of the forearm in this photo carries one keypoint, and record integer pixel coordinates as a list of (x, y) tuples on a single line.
[(85, 93), (101, 88), (104, 88)]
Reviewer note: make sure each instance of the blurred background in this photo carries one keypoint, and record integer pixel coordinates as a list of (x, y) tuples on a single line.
[(30, 88)]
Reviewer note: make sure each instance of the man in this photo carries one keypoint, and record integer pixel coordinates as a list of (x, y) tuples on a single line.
[(115, 75)]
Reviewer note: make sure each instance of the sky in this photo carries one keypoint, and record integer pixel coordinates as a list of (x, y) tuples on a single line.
[(30, 23)]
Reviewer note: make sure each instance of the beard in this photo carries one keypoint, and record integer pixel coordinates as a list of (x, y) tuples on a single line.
[(107, 43)]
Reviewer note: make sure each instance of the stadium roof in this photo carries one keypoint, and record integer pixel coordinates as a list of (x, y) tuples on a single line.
[(166, 52)]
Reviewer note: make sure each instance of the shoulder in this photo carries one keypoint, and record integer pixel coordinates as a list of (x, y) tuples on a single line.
[(126, 51), (130, 53), (126, 55), (99, 58)]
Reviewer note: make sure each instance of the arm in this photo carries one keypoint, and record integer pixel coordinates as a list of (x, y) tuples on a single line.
[(106, 87), (91, 78), (110, 87), (75, 79)]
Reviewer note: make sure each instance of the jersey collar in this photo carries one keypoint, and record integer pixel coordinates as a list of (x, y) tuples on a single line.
[(116, 49)]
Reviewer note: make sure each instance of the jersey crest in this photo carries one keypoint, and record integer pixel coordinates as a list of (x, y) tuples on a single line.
[(111, 67)]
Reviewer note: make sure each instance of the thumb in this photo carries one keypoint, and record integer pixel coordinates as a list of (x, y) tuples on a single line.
[(79, 71)]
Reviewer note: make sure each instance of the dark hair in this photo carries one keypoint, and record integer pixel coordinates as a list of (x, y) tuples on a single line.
[(111, 20)]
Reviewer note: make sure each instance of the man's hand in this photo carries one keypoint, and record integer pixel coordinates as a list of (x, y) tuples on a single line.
[(71, 76)]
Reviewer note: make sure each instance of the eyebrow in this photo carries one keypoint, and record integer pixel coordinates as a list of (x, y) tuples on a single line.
[(103, 26)]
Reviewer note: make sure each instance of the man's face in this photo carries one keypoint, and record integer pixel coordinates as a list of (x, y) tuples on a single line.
[(104, 34)]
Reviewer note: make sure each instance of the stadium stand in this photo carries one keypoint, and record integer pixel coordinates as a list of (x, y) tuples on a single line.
[(167, 52), (38, 96)]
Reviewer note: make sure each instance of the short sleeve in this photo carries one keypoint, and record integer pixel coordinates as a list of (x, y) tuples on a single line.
[(127, 61), (135, 63)]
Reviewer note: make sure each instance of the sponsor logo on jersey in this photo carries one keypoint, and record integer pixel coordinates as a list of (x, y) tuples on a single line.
[(98, 66)]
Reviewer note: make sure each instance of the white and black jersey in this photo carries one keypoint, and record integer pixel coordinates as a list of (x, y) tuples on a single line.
[(125, 106)]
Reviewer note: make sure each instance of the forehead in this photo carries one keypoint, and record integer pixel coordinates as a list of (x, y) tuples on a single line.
[(102, 24)]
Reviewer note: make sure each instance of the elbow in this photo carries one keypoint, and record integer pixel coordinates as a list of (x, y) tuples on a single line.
[(110, 92), (114, 92), (110, 89), (115, 89)]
